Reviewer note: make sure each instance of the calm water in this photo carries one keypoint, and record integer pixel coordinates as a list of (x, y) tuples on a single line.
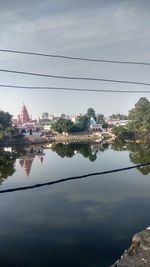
[(81, 223)]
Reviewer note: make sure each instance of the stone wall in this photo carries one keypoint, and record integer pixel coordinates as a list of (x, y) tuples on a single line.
[(138, 254)]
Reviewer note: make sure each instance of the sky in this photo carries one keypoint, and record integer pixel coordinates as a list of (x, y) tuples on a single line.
[(100, 29)]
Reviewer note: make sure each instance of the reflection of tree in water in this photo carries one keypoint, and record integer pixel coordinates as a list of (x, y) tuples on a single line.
[(119, 145), (63, 150), (7, 161), (138, 154), (141, 155), (86, 150)]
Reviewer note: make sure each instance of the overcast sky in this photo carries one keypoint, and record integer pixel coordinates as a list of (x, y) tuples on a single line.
[(100, 29)]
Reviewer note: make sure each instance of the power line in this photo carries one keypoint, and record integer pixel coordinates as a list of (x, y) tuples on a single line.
[(71, 89), (74, 78), (75, 58), (71, 178)]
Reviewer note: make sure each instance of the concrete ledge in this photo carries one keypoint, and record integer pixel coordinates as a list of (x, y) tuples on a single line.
[(138, 254)]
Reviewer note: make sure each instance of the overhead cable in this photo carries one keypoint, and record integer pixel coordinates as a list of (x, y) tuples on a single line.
[(74, 78), (22, 188), (75, 58), (72, 89)]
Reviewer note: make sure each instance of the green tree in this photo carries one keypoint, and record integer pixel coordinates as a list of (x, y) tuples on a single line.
[(100, 119), (83, 122), (63, 125), (122, 133), (139, 116), (5, 119), (119, 131), (91, 113), (6, 130)]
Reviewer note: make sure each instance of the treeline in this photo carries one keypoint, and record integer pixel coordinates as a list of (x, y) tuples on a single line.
[(66, 125), (82, 123), (138, 126)]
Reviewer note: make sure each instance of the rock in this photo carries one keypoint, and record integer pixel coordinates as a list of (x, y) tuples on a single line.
[(138, 254)]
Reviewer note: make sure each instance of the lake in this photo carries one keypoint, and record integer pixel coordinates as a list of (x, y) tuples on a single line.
[(80, 223)]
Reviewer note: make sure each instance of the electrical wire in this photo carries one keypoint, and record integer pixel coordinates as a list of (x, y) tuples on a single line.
[(72, 89), (74, 78), (75, 58), (22, 188)]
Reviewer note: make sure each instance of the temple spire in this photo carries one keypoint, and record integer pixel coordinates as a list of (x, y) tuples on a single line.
[(24, 116)]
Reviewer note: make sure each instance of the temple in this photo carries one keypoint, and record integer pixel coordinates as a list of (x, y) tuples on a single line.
[(24, 115), (25, 125)]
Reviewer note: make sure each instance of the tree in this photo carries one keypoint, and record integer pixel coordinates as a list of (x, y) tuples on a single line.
[(6, 130), (119, 131), (139, 116), (91, 113), (5, 119), (83, 122), (100, 119), (63, 125), (122, 133)]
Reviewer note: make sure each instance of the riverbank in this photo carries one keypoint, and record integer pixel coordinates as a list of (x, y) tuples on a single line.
[(70, 138), (134, 137), (75, 138)]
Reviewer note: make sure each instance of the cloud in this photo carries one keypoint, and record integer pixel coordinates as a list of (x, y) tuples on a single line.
[(79, 29), (116, 30)]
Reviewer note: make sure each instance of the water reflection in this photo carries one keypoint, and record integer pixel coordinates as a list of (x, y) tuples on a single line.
[(7, 164), (82, 223), (26, 155), (138, 154), (88, 151)]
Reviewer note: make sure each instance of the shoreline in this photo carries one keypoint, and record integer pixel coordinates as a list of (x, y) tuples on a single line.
[(57, 138)]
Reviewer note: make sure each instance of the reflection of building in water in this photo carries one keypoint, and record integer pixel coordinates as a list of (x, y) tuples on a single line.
[(26, 164), (40, 159), (95, 148), (34, 150), (27, 160)]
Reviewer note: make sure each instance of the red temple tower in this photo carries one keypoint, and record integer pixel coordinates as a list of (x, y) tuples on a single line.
[(24, 115)]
